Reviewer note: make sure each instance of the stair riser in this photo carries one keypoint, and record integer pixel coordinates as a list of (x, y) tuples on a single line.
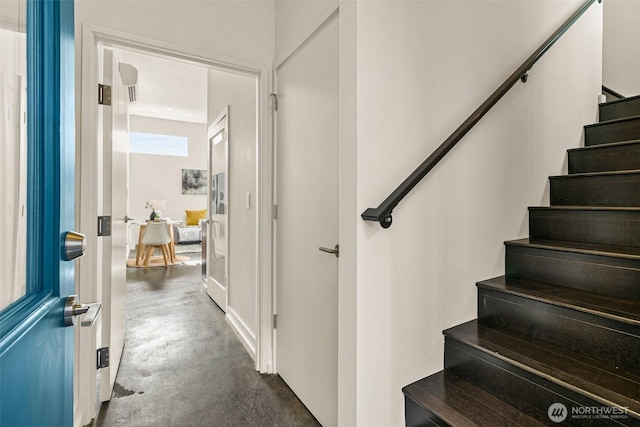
[(600, 274), (605, 159), (627, 130), (417, 416), (600, 338), (619, 228), (621, 109), (521, 389), (619, 190)]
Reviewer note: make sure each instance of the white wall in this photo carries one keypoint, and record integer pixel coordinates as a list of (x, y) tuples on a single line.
[(235, 28), (157, 177), (239, 93), (422, 68), (349, 219), (295, 20), (621, 55)]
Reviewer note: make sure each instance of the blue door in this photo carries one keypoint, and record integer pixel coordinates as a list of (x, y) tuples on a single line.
[(36, 348)]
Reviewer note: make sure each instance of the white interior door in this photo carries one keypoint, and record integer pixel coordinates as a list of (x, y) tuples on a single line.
[(217, 277), (115, 144), (307, 199)]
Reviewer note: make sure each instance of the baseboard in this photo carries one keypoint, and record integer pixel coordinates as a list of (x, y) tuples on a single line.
[(247, 338)]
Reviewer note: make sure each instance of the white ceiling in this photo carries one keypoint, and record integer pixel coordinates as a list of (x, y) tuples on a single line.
[(168, 89)]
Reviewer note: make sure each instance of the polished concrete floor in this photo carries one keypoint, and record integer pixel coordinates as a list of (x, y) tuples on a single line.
[(183, 365)]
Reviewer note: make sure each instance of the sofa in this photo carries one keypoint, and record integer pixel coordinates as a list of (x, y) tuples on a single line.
[(190, 231)]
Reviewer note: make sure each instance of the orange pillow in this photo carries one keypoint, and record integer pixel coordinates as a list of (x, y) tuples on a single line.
[(193, 217)]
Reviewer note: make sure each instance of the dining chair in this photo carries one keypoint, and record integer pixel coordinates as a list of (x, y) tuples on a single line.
[(156, 235)]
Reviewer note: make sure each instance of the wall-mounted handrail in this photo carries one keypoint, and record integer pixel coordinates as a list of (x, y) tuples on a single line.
[(612, 92), (382, 213)]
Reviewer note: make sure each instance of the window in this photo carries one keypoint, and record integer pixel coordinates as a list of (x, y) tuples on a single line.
[(164, 145)]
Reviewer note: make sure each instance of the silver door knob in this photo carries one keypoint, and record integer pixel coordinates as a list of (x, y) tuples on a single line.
[(74, 245), (335, 250), (73, 309), (127, 218)]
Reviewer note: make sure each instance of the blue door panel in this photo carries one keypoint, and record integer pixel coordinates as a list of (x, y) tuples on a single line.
[(36, 349), (35, 386)]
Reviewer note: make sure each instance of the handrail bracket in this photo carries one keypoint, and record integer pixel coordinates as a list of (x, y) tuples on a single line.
[(374, 214)]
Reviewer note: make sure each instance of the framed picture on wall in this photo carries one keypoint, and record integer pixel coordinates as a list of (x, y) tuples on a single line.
[(194, 181)]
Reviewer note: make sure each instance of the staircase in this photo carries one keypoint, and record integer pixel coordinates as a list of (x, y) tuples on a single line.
[(557, 339)]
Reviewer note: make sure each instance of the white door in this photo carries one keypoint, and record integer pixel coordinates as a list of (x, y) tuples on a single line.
[(217, 276), (115, 144), (307, 218)]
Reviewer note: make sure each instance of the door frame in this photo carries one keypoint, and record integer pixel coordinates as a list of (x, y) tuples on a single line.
[(87, 184)]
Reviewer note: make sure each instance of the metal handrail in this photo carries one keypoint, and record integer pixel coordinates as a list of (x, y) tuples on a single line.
[(382, 213)]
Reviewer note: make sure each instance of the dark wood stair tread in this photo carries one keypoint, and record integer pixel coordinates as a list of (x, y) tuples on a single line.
[(581, 248), (550, 363), (586, 208), (459, 403), (621, 100), (624, 107), (612, 121), (604, 146), (619, 309), (615, 156)]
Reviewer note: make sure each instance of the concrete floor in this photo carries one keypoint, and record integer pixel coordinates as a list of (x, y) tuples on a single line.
[(183, 365)]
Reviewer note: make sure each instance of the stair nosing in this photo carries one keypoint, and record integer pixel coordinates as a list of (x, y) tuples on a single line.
[(562, 246), (573, 305), (602, 146), (613, 121), (585, 208), (508, 357), (592, 174), (618, 101)]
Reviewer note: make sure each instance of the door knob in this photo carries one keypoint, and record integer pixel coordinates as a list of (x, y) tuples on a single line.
[(127, 218), (335, 250), (73, 309), (74, 245)]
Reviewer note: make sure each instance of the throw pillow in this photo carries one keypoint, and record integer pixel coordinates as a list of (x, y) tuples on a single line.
[(193, 217)]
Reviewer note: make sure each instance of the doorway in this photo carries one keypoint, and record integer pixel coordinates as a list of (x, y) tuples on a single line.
[(243, 316)]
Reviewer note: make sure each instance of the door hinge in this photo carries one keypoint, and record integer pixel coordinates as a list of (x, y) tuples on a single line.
[(103, 357), (274, 100), (104, 94), (275, 211), (104, 226), (275, 317)]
